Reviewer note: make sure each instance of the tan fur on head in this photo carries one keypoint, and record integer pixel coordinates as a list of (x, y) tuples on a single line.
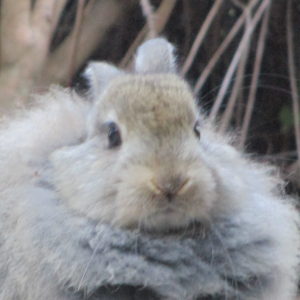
[(159, 104), (128, 186)]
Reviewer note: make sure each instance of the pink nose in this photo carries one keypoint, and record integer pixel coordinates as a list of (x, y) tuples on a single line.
[(170, 187)]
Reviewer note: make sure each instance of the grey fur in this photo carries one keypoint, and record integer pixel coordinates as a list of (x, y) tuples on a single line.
[(99, 75), (49, 250)]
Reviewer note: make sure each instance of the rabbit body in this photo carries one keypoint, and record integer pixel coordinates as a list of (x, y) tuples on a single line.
[(140, 159)]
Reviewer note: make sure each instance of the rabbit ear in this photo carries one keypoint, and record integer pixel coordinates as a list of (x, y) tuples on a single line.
[(99, 75), (155, 56)]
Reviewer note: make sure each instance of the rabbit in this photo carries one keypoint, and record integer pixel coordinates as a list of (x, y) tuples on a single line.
[(129, 192)]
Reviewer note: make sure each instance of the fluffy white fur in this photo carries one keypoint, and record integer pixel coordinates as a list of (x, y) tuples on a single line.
[(59, 179)]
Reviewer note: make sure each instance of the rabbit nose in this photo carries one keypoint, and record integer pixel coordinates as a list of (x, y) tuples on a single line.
[(173, 186)]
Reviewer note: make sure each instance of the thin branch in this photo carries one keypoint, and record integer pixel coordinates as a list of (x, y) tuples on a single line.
[(211, 64), (200, 37), (25, 37), (43, 14), (254, 81), (236, 58), (150, 16), (58, 9), (138, 40), (74, 49), (15, 29), (238, 83), (162, 15), (240, 74), (99, 19), (42, 27), (291, 65)]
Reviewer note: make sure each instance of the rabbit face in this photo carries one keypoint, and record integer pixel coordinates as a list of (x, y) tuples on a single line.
[(142, 162), (159, 183)]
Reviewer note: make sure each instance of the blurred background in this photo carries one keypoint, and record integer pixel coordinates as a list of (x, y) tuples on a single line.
[(241, 57)]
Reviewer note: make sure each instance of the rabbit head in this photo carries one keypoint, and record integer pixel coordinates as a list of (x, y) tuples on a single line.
[(141, 165)]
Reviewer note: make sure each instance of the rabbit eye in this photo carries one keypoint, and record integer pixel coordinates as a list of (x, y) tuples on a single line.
[(114, 136), (197, 130)]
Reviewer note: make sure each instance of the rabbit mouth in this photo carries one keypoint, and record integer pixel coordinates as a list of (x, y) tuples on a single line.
[(169, 210), (170, 223), (166, 219)]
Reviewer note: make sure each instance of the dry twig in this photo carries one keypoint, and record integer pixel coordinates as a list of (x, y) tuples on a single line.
[(254, 81), (237, 56), (237, 87), (96, 21), (161, 17), (240, 73), (150, 16), (293, 81), (25, 38), (200, 37), (212, 62)]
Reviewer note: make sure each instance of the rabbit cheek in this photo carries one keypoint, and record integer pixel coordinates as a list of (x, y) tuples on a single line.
[(204, 195), (133, 196)]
